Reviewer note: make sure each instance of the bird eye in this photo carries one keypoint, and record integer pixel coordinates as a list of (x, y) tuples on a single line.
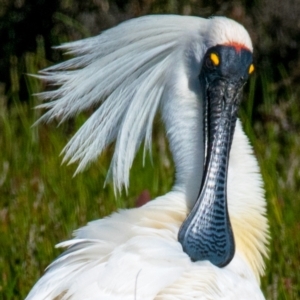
[(251, 69), (212, 60), (215, 59)]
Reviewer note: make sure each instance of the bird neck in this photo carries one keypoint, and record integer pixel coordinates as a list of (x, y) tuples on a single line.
[(184, 127)]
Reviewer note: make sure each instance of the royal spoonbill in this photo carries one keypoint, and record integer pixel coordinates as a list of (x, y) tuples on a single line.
[(206, 238)]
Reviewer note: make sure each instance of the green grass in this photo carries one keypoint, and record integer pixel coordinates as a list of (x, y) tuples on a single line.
[(41, 203)]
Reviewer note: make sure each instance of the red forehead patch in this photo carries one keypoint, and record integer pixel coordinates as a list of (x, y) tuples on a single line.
[(238, 47)]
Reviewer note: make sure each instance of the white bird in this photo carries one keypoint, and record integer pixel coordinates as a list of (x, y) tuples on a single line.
[(206, 238)]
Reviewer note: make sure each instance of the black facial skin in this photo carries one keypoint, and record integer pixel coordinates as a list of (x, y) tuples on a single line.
[(206, 234), (233, 66)]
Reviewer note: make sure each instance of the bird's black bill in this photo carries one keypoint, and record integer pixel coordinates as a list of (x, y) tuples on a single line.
[(206, 234)]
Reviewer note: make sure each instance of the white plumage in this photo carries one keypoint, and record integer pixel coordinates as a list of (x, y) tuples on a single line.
[(127, 74)]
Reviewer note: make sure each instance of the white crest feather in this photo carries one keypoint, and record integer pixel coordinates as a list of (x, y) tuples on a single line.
[(124, 79)]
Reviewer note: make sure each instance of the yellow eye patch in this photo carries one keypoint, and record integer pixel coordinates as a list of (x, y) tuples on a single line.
[(251, 69), (215, 59)]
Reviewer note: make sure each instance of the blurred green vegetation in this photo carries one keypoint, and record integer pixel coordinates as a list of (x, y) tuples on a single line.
[(41, 203)]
